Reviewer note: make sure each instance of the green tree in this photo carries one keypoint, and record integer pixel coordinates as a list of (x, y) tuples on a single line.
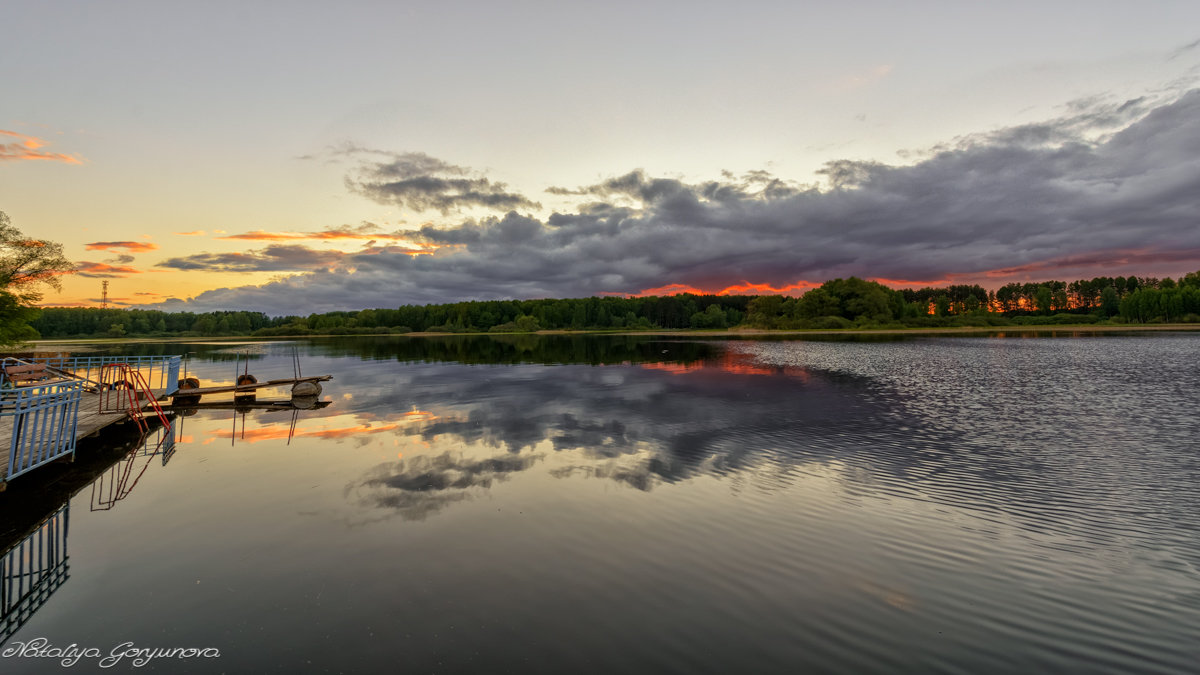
[(527, 324), (1110, 303), (26, 265), (14, 320), (941, 306), (712, 317), (1044, 298)]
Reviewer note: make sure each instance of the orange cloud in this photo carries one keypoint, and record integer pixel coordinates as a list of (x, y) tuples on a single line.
[(361, 233), (406, 250), (747, 288), (669, 289), (97, 269), (744, 288), (909, 283), (133, 246), (26, 148), (193, 233)]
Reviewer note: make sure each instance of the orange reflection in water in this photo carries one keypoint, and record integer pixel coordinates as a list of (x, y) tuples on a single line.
[(730, 362), (275, 432)]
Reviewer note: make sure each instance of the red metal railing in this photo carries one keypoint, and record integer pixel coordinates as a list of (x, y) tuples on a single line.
[(121, 390)]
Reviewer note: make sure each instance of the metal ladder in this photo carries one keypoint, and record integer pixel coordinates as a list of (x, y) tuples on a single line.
[(125, 384)]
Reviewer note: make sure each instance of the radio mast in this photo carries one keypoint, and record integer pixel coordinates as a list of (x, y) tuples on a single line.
[(104, 295)]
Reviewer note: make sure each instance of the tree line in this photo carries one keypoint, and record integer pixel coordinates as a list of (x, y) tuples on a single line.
[(857, 303), (838, 303), (497, 316)]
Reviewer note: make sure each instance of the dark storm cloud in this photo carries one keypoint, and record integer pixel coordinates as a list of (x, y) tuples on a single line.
[(1107, 180), (417, 181), (276, 258), (637, 186)]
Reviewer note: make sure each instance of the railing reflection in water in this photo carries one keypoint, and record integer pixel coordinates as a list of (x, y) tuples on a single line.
[(35, 566), (31, 570), (120, 479)]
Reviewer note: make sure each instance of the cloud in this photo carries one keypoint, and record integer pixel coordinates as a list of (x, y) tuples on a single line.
[(287, 258), (193, 233), (277, 258), (100, 270), (1109, 187), (365, 231), (26, 148), (135, 246), (1180, 51), (419, 182)]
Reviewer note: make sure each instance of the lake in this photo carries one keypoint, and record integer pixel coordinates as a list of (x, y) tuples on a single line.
[(646, 504)]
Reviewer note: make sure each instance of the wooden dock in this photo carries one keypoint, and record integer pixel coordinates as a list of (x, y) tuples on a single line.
[(89, 421), (36, 419)]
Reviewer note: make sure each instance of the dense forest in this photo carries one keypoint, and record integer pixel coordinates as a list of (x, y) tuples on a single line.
[(839, 303), (498, 316)]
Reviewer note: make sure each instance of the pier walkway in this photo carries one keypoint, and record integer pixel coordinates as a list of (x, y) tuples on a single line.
[(40, 422), (88, 420)]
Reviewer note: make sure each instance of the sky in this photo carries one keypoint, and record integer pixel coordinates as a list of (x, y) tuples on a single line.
[(297, 157)]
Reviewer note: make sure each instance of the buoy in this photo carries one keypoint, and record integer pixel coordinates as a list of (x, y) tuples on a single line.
[(181, 397), (304, 402), (306, 389), (244, 379)]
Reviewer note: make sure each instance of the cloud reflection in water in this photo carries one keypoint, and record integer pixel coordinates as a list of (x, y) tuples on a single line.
[(641, 427)]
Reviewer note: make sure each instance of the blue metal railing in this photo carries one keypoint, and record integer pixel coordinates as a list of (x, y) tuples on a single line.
[(160, 372), (31, 571), (41, 422)]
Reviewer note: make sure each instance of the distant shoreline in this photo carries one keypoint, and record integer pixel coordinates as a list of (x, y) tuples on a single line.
[(731, 333)]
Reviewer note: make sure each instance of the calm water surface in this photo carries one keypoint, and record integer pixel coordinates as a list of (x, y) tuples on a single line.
[(646, 505)]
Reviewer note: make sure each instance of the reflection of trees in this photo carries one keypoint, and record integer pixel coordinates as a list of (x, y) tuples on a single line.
[(548, 349)]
